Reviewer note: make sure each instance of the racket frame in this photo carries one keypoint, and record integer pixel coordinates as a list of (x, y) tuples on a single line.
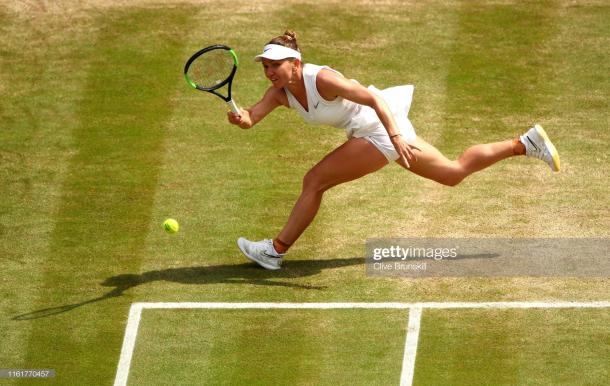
[(228, 81)]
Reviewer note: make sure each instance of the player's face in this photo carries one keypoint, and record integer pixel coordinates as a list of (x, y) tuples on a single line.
[(279, 72)]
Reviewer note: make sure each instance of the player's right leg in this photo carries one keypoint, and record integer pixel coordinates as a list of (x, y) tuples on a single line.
[(354, 159)]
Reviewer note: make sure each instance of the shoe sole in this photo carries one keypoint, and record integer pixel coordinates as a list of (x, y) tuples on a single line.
[(549, 145), (262, 264)]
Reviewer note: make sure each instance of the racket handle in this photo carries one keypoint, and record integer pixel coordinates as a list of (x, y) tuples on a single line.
[(233, 107)]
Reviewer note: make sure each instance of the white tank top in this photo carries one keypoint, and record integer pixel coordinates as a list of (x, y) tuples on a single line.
[(341, 113)]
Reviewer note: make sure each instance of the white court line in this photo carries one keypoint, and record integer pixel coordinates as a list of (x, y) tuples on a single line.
[(129, 343), (408, 360), (135, 312), (221, 305)]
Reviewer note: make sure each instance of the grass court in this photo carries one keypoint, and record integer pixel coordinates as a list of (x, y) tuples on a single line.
[(101, 140)]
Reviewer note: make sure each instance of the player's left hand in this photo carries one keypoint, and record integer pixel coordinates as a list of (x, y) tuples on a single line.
[(405, 150)]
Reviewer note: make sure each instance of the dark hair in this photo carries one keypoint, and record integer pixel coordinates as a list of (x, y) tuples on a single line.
[(288, 39)]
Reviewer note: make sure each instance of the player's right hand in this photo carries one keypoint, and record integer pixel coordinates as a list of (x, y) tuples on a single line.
[(234, 118), (242, 119)]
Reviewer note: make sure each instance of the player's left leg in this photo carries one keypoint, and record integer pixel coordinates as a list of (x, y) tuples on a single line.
[(432, 164)]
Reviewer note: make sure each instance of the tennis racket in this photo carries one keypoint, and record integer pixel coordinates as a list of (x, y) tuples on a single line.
[(210, 69)]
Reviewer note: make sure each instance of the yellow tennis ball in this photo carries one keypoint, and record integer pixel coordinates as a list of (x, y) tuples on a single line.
[(171, 226)]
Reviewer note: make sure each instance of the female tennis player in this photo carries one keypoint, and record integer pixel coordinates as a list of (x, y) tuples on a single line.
[(378, 131)]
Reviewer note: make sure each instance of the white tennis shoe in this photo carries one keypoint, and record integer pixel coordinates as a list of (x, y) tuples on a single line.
[(261, 252), (538, 145)]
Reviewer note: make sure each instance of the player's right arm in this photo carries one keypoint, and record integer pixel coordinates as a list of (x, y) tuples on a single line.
[(249, 117)]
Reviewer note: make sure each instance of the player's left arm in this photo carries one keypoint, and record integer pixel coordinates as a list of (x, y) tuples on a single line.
[(330, 85)]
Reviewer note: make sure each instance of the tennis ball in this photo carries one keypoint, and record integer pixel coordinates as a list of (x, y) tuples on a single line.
[(171, 226)]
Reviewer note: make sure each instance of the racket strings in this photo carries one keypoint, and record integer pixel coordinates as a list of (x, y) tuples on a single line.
[(211, 68)]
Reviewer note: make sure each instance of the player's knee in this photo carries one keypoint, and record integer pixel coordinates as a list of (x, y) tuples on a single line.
[(454, 176), (313, 182), (452, 180)]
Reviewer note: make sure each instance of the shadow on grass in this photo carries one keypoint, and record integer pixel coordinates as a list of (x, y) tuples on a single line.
[(247, 273)]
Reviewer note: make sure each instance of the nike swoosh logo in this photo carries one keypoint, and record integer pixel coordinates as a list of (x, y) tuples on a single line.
[(267, 49), (316, 105), (533, 144), (268, 255)]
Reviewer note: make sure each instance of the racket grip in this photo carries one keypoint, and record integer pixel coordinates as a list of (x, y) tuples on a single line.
[(233, 107)]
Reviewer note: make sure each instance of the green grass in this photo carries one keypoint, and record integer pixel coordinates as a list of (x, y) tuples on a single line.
[(360, 346), (101, 140), (262, 347), (531, 347)]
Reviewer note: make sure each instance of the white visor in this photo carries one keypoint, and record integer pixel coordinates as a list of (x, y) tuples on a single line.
[(277, 52)]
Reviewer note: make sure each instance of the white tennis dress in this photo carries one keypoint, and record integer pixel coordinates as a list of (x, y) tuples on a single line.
[(357, 120)]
